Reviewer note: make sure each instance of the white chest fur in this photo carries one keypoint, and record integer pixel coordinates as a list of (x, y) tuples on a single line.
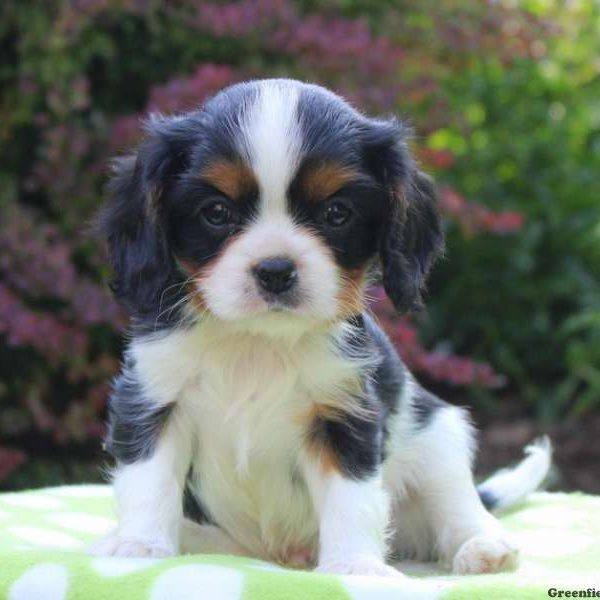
[(246, 397)]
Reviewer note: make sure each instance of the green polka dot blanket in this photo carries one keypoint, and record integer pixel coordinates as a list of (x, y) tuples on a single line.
[(43, 535)]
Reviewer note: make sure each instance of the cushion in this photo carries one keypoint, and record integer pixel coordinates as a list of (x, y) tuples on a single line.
[(43, 535)]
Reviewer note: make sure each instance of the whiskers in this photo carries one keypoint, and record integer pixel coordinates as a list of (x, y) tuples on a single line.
[(353, 293), (187, 316)]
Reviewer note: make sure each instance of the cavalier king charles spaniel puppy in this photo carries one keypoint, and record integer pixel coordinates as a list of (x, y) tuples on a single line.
[(261, 410)]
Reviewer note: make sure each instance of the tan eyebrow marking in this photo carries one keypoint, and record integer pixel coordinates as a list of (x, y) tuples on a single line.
[(233, 178), (322, 181)]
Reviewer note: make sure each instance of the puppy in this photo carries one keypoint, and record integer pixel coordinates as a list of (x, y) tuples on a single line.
[(261, 410)]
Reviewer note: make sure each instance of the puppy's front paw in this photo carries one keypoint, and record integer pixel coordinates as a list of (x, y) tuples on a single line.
[(297, 557), (116, 545), (485, 554), (358, 566)]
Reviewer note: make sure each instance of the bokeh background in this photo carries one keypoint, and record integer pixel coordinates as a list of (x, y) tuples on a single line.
[(504, 97)]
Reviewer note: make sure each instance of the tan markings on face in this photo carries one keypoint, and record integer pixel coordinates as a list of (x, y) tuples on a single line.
[(194, 274), (320, 182), (196, 298), (351, 298), (233, 178)]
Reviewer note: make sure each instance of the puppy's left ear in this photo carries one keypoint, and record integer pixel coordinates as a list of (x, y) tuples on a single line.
[(411, 235)]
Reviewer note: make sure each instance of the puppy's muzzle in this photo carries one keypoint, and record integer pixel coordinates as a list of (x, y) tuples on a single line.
[(276, 275)]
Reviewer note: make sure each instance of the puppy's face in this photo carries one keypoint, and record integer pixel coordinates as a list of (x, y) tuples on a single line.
[(271, 202)]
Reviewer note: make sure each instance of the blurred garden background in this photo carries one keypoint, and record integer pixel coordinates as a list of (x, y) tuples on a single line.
[(504, 97)]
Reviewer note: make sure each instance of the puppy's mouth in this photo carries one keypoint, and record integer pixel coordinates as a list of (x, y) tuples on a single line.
[(288, 301)]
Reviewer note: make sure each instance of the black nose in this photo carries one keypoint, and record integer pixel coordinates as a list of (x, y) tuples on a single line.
[(276, 275)]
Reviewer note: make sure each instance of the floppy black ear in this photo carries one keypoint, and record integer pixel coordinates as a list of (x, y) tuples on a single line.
[(411, 235), (410, 240), (145, 273)]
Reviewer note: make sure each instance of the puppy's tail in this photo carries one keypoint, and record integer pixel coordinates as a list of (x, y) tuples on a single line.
[(509, 486)]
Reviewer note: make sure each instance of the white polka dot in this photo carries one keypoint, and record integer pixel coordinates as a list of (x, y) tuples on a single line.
[(48, 538), (267, 566), (552, 543), (544, 515), (417, 568), (32, 501), (545, 498), (4, 515), (198, 582), (83, 491), (574, 581), (42, 582), (113, 566), (366, 587), (562, 580), (81, 522)]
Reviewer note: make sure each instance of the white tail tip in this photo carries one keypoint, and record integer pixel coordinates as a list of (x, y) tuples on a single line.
[(510, 486)]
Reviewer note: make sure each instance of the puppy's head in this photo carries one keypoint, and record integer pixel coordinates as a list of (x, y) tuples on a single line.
[(272, 201)]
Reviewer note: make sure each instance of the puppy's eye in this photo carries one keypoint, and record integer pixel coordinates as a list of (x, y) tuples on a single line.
[(217, 214), (337, 213)]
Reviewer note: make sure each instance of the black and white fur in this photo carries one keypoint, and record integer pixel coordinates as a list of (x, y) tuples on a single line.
[(282, 420)]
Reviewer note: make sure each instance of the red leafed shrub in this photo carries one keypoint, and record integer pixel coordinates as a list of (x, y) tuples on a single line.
[(186, 93), (75, 89), (51, 315), (438, 365), (474, 218), (177, 95), (9, 461)]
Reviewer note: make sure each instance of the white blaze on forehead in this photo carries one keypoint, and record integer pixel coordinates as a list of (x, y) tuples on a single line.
[(272, 140)]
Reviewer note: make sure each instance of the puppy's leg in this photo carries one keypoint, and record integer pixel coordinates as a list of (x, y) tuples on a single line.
[(353, 519), (467, 536), (149, 497)]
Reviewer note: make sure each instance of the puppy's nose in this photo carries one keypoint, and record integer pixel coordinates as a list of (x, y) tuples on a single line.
[(276, 274)]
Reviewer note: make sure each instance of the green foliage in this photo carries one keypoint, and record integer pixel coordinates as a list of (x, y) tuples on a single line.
[(528, 138), (504, 103)]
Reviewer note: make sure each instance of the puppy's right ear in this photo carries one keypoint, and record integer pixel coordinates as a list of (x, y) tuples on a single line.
[(132, 221), (411, 235)]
